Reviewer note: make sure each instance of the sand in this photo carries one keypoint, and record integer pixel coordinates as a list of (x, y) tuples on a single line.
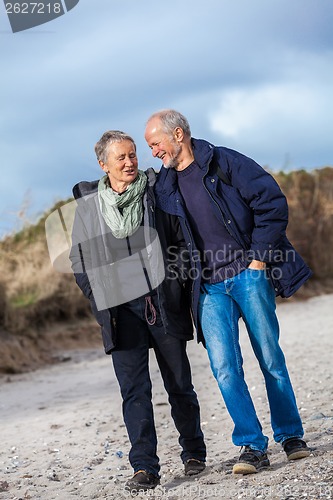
[(63, 437)]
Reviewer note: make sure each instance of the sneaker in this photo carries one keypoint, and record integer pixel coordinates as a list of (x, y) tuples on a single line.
[(295, 448), (250, 461), (141, 481), (193, 466)]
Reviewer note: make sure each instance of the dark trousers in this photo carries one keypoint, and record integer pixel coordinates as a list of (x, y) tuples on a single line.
[(131, 364)]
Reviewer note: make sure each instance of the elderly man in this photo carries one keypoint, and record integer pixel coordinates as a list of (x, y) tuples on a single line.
[(234, 217)]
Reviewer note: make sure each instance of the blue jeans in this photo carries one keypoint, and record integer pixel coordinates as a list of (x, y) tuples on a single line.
[(131, 363), (249, 295)]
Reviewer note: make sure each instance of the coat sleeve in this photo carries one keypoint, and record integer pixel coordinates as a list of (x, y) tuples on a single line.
[(80, 253), (264, 197), (173, 244)]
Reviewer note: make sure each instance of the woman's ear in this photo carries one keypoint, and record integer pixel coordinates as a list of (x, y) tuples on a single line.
[(103, 166)]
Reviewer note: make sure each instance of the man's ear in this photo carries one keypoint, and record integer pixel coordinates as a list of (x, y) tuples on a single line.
[(178, 134)]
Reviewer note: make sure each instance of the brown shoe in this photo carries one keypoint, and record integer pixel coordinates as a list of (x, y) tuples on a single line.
[(142, 481), (193, 466)]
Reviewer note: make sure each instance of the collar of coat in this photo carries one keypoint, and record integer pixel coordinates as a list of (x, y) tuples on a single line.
[(168, 197)]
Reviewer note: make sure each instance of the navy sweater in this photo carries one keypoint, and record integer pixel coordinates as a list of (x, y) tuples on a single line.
[(221, 256)]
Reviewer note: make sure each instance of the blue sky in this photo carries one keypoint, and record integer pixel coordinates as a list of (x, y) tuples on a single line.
[(255, 76)]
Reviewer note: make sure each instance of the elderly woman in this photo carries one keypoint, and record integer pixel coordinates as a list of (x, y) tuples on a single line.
[(128, 259)]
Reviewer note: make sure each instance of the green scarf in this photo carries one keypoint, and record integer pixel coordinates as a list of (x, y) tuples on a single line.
[(130, 202)]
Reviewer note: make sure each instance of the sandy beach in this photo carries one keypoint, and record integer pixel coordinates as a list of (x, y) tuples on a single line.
[(63, 437)]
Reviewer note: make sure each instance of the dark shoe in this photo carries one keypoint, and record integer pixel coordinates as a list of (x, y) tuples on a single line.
[(141, 481), (295, 448), (193, 466), (250, 461)]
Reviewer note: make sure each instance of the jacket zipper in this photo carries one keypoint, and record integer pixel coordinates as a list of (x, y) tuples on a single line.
[(192, 260)]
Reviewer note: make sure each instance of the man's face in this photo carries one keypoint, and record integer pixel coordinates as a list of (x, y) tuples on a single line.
[(122, 163), (162, 145)]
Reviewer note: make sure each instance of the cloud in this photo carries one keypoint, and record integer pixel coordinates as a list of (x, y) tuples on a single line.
[(255, 76), (292, 118), (281, 106)]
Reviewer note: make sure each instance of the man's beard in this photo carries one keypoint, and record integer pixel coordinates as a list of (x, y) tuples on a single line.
[(173, 163)]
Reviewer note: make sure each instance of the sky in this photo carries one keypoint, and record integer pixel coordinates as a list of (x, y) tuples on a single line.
[(251, 75)]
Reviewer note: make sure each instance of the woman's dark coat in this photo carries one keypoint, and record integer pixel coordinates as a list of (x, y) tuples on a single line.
[(93, 246)]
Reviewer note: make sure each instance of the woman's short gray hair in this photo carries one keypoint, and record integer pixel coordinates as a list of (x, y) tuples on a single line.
[(172, 119), (108, 138)]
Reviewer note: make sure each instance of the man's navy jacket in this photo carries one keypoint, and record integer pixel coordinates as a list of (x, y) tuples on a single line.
[(250, 204)]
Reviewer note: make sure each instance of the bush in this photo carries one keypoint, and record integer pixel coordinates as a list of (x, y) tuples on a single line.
[(310, 229)]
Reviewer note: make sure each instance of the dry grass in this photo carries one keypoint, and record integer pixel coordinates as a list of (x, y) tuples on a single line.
[(310, 199), (32, 293)]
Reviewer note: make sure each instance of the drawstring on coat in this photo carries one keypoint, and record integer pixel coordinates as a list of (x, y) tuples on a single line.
[(150, 311)]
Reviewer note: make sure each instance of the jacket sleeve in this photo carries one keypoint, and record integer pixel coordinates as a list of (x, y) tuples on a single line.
[(80, 252), (262, 194), (173, 245)]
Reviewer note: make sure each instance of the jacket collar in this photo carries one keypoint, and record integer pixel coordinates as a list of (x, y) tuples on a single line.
[(168, 197), (203, 152), (85, 188), (167, 183)]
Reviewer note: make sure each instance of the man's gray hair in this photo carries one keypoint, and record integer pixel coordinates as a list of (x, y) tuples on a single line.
[(172, 119), (108, 138)]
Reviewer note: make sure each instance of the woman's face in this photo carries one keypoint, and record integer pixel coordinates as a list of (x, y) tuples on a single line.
[(121, 165)]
